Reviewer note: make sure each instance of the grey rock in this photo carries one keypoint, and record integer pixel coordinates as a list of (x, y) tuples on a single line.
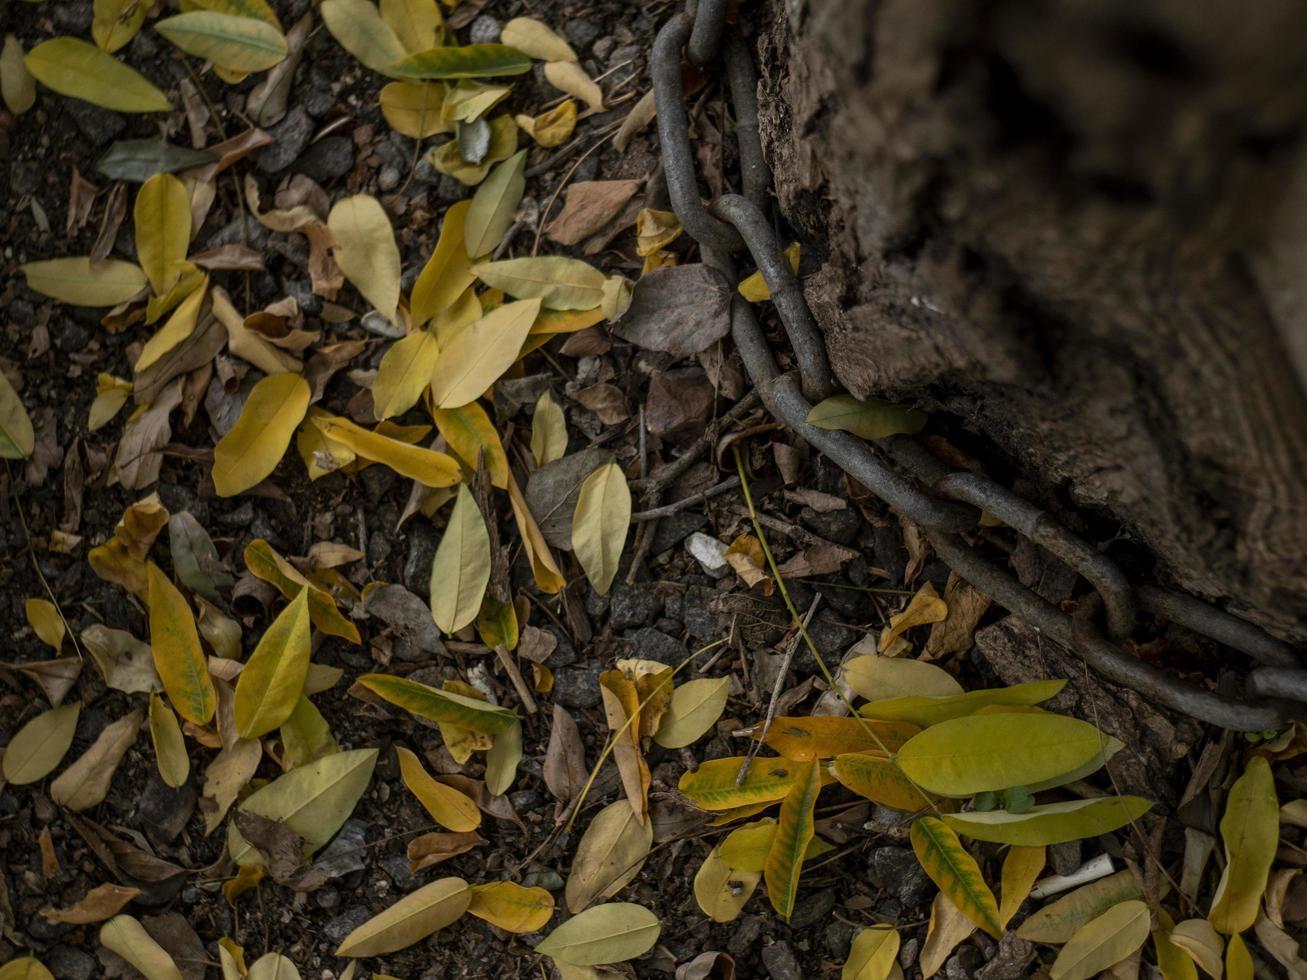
[(604, 47), (1064, 858), (553, 489), (709, 553), (702, 620), (42, 929), (289, 138), (388, 178), (830, 635), (408, 616), (744, 938), (327, 159), (1011, 961), (397, 867), (908, 953), (380, 546), (578, 687), (632, 605), (964, 964), (25, 176), (163, 812), (342, 925), (326, 898), (68, 963), (780, 962), (98, 125), (675, 529), (839, 939), (73, 16), (422, 542), (69, 335), (580, 33), (319, 93), (142, 47), (897, 871), (484, 30), (813, 909), (650, 644)]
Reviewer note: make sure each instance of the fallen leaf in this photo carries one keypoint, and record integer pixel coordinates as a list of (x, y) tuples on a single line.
[(621, 703), (1202, 943), (600, 523), (694, 708), (412, 918), (512, 907), (17, 438), (493, 206), (361, 30), (874, 954), (1250, 830), (447, 806), (503, 758), (559, 282), (415, 22), (470, 435), (85, 783), (1103, 942), (480, 353), (250, 452), (366, 251), (947, 929), (755, 289), (713, 785), (926, 711), (236, 43), (460, 570), (564, 766), (434, 848), (178, 658), (568, 76), (270, 685), (40, 745), (100, 903), (533, 38), (468, 61), (548, 431), (551, 128), (17, 86), (1021, 867), (956, 872), (681, 310), (1057, 922), (587, 207), (78, 281), (449, 270), (125, 936), (46, 621), (264, 563), (880, 780), (445, 707), (881, 678), (611, 933), (722, 891), (794, 831), (169, 746), (428, 467), (870, 419), (73, 67), (609, 855), (1050, 823)]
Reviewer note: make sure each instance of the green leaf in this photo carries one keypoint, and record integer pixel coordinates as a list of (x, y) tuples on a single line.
[(460, 570), (948, 865), (793, 834), (600, 523), (80, 282), (445, 707), (1103, 942), (491, 213), (74, 68), (713, 787), (559, 282), (239, 44), (469, 61), (1250, 830), (139, 160), (1050, 823), (612, 933), (1057, 923), (992, 752), (272, 681), (925, 711), (870, 419)]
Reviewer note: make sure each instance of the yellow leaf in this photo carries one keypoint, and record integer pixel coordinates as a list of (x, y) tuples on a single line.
[(447, 806), (612, 933), (874, 954), (448, 272), (551, 322), (110, 395), (305, 735), (359, 28), (460, 570), (927, 711), (169, 747), (116, 22), (272, 966), (404, 373), (600, 523), (610, 854), (949, 866), (270, 685), (428, 467), (17, 86), (446, 707), (480, 353), (746, 848), (947, 928), (85, 783), (503, 758), (926, 607), (793, 833), (264, 563), (412, 918), (1020, 869), (712, 786), (569, 77), (544, 569), (825, 736), (512, 907), (622, 711), (320, 454), (1103, 942), (178, 658), (533, 38), (655, 230), (870, 419), (25, 968), (878, 678), (415, 22), (246, 343), (366, 251), (1056, 923), (413, 109), (40, 745), (880, 780), (17, 438), (493, 206), (125, 936), (468, 101), (468, 61), (1172, 961), (179, 327), (992, 752), (312, 800), (1238, 961), (722, 890), (754, 288), (552, 127), (46, 621), (238, 44), (470, 433), (1250, 830), (503, 144), (559, 282), (496, 623), (162, 217), (78, 281), (250, 452), (1202, 944), (80, 70), (694, 708), (548, 431), (1050, 823)]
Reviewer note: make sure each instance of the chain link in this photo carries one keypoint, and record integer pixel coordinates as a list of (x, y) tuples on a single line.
[(918, 485)]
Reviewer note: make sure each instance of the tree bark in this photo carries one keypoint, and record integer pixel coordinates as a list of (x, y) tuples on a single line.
[(1080, 227)]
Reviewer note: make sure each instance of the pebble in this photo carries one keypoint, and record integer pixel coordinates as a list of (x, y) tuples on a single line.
[(632, 605), (289, 138), (164, 811), (839, 938), (897, 871), (397, 867), (484, 30), (580, 33), (702, 620), (709, 553), (578, 687), (650, 644), (1011, 961), (964, 964), (68, 963), (813, 909), (96, 124), (422, 542), (342, 925), (73, 16), (781, 963), (327, 159)]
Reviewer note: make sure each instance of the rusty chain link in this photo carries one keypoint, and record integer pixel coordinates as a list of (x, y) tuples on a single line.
[(900, 470)]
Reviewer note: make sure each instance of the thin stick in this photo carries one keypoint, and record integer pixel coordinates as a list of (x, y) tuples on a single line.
[(667, 510), (519, 682), (777, 686)]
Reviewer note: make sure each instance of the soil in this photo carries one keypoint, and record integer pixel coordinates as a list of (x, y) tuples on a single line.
[(55, 353)]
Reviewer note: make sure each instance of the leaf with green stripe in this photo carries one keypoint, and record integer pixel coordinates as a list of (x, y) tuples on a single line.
[(948, 865), (468, 61), (712, 786), (793, 833), (236, 43), (1050, 823), (445, 707), (925, 711)]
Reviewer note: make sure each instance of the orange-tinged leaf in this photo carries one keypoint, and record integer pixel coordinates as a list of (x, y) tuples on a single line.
[(272, 681), (622, 705), (712, 786), (449, 270), (249, 453), (428, 467), (178, 658), (447, 806), (512, 907), (826, 736), (881, 781), (793, 833), (956, 872), (1021, 867), (264, 563), (100, 903), (1250, 830)]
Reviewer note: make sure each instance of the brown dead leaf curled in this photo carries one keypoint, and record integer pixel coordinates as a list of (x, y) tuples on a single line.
[(681, 310), (588, 207)]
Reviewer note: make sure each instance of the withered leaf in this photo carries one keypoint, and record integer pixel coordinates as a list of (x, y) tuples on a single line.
[(682, 310)]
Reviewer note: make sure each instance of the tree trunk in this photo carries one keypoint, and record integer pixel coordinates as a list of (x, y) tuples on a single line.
[(1080, 227)]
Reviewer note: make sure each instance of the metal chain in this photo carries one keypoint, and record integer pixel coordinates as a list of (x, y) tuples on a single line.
[(903, 473)]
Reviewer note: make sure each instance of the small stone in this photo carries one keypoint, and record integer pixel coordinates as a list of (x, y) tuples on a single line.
[(1064, 858), (97, 125), (68, 963), (69, 335), (397, 867), (41, 928), (73, 16), (422, 542), (897, 871), (840, 526), (326, 898), (709, 553), (813, 909), (604, 47), (289, 138), (388, 178), (1011, 961), (580, 33), (578, 687), (699, 614), (839, 939), (675, 529), (328, 159), (164, 812), (632, 605), (964, 964), (484, 30), (744, 937), (781, 963), (650, 644), (342, 925)]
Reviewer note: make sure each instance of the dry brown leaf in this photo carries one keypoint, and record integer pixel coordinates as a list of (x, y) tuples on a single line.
[(588, 207), (100, 903), (564, 768), (431, 849), (966, 604)]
